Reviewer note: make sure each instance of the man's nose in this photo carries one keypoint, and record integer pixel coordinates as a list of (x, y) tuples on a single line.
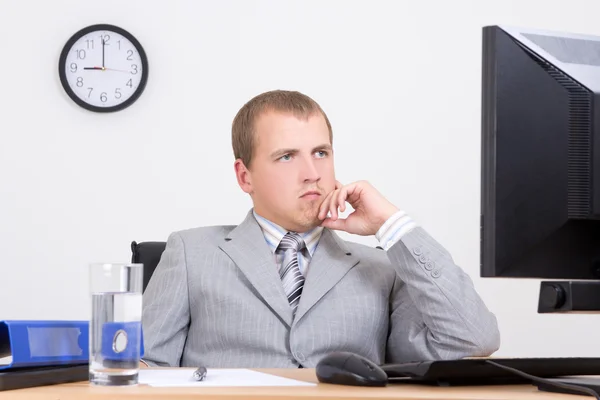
[(310, 173)]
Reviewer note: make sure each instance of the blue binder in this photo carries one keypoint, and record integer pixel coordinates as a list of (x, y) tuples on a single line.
[(46, 343)]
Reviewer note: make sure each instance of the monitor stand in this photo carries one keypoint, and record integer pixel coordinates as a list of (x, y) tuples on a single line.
[(569, 297)]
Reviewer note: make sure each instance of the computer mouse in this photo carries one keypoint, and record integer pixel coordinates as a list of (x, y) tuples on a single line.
[(345, 368)]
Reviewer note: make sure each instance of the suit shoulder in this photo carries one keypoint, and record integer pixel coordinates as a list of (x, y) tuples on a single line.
[(204, 234)]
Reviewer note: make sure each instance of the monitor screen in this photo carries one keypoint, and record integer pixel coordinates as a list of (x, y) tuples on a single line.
[(540, 182)]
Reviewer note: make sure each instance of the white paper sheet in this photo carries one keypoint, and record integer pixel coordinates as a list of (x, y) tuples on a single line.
[(5, 360), (182, 377)]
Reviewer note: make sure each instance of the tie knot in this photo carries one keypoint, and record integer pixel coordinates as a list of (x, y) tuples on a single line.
[(292, 240)]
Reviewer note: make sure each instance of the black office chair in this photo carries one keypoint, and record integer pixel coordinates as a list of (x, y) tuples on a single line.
[(147, 253)]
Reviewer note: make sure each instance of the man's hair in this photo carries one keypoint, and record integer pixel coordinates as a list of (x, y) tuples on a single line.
[(243, 135)]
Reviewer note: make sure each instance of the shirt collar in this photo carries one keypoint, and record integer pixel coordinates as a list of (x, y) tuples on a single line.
[(273, 234)]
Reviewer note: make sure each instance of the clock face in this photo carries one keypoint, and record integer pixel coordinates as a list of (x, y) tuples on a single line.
[(103, 68)]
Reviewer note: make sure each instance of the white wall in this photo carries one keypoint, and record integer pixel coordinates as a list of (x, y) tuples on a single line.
[(400, 81)]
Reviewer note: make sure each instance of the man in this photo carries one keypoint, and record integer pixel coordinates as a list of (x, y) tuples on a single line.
[(283, 290)]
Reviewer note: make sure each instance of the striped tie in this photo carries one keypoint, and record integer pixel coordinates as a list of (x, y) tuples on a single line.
[(289, 271)]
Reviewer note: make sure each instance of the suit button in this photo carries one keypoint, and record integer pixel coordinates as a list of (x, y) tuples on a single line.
[(429, 265), (417, 251), (423, 259), (436, 273)]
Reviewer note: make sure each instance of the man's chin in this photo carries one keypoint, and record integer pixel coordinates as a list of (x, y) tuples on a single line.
[(310, 219)]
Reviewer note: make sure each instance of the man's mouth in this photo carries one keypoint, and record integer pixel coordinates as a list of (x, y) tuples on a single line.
[(311, 193)]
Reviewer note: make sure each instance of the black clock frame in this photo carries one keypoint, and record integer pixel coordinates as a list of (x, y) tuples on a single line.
[(65, 52)]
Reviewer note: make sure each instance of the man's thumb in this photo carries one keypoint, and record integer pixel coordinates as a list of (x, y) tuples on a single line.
[(338, 224)]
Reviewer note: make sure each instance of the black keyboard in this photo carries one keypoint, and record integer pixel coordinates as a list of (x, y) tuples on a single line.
[(477, 371)]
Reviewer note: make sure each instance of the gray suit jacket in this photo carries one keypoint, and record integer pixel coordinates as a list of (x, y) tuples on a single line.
[(216, 300)]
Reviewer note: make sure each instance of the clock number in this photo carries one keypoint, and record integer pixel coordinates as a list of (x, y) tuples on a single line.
[(129, 83), (79, 82), (135, 69), (118, 93), (106, 38), (103, 97), (119, 43), (90, 93), (129, 55), (73, 67), (81, 54), (90, 44)]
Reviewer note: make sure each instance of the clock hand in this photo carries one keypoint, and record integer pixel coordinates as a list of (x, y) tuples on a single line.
[(116, 70), (106, 69), (102, 52)]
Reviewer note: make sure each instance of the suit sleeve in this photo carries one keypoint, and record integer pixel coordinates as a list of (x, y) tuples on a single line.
[(435, 311), (166, 312)]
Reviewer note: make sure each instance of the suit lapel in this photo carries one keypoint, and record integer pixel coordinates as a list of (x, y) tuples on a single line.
[(247, 247), (331, 261)]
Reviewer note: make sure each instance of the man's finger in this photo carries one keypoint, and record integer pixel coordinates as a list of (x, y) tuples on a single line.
[(352, 193), (341, 199), (324, 207), (333, 204)]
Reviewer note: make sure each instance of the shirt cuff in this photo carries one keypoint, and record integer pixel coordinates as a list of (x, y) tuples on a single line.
[(394, 228)]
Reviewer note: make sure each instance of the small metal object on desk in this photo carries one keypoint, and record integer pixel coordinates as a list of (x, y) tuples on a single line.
[(199, 374)]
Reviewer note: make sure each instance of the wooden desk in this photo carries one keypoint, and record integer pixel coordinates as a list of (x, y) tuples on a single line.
[(83, 391)]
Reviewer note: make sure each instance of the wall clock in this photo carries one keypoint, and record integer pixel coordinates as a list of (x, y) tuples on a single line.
[(103, 68)]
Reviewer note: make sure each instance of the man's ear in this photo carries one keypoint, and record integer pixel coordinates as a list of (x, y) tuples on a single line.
[(243, 176)]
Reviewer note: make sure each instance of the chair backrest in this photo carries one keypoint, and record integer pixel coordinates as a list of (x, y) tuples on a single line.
[(147, 253)]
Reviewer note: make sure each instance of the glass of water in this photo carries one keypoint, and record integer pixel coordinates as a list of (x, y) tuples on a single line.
[(116, 324)]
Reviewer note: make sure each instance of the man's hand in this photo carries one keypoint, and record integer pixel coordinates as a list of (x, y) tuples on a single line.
[(371, 209)]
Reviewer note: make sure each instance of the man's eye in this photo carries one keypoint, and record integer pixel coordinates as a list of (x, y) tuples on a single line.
[(321, 153), (286, 157)]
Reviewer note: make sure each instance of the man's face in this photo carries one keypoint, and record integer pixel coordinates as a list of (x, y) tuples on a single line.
[(291, 170)]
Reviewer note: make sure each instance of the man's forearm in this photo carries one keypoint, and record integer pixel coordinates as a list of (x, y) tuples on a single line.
[(457, 320)]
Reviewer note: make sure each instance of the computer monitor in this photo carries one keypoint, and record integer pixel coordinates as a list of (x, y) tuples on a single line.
[(540, 182)]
